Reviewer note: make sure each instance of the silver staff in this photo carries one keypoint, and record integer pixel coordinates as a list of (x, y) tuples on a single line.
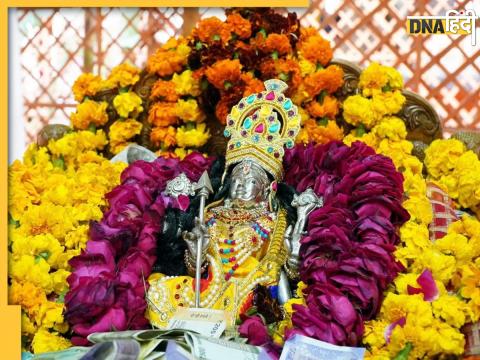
[(203, 188)]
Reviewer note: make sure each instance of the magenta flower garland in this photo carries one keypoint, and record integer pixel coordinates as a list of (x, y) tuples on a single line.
[(107, 285), (347, 257)]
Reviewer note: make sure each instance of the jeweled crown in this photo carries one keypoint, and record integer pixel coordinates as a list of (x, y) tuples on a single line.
[(260, 126)]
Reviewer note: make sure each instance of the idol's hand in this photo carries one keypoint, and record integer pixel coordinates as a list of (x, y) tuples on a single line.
[(292, 244), (198, 233)]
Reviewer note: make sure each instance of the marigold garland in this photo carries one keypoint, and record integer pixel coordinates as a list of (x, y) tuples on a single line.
[(53, 194)]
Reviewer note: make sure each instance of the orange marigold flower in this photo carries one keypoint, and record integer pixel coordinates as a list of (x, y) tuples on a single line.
[(224, 73), (328, 108), (86, 85), (322, 134), (306, 32), (164, 90), (212, 29), (170, 58), (225, 105), (252, 84), (329, 79), (162, 114), (163, 136), (316, 49), (279, 43), (287, 70), (240, 26)]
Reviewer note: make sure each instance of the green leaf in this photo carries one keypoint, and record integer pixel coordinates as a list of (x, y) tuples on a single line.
[(216, 37), (284, 76), (235, 55), (360, 130), (12, 221), (321, 96), (323, 121), (43, 255), (190, 125), (387, 88), (275, 55), (123, 90), (198, 45), (59, 162), (61, 297), (92, 128), (403, 354), (319, 67), (204, 84), (263, 32), (252, 311), (227, 85)]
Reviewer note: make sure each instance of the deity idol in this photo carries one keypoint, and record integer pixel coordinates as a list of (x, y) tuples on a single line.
[(246, 238)]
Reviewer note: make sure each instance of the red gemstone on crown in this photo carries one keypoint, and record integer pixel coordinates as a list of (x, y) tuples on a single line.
[(260, 128), (270, 96)]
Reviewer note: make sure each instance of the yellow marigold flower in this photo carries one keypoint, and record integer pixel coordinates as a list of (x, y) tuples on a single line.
[(128, 103), (45, 341), (77, 238), (123, 130), (34, 270), (59, 279), (376, 77), (452, 310), (420, 209), (392, 128), (196, 137), (44, 245), (306, 67), (468, 172), (182, 152), (374, 334), (448, 339), (86, 85), (72, 145), (387, 103), (188, 110), (28, 327), (414, 183), (414, 307), (368, 138), (359, 110), (442, 155), (415, 238), (89, 113), (186, 84), (442, 266), (456, 245), (123, 75), (50, 315)]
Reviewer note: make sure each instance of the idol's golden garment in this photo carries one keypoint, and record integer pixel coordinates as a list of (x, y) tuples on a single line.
[(246, 249)]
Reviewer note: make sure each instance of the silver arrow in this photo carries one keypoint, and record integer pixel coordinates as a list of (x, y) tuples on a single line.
[(203, 189)]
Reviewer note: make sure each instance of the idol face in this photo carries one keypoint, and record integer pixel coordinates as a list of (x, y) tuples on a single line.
[(248, 184)]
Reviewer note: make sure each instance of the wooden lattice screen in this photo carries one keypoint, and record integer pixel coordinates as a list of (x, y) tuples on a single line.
[(57, 45)]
